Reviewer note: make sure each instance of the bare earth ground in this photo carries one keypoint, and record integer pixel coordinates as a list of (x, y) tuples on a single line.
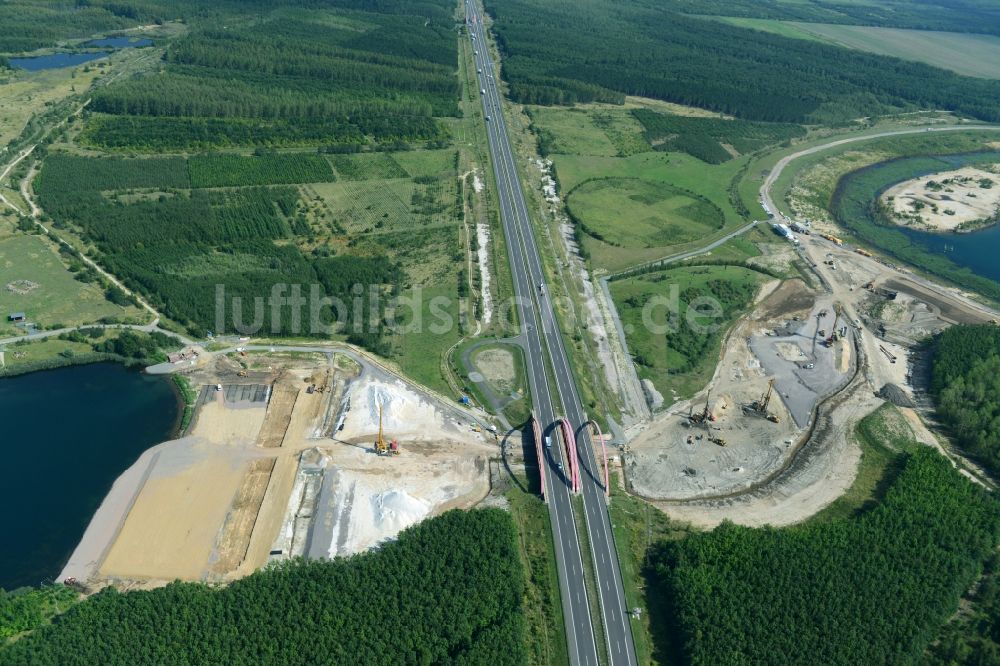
[(497, 365), (674, 459), (958, 198), (211, 506)]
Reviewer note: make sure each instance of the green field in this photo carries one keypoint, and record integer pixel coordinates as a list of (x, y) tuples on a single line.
[(676, 171), (964, 53), (56, 298), (683, 359), (632, 213)]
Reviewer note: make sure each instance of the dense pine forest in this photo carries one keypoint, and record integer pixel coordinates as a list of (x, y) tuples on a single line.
[(563, 51), (293, 76), (966, 387), (448, 591), (705, 138), (872, 589)]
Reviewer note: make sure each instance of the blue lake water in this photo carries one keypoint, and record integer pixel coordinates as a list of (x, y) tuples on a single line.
[(67, 435), (55, 60), (977, 251), (118, 43)]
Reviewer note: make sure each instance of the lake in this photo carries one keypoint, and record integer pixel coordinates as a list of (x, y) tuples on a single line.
[(67, 435), (976, 251), (968, 259), (55, 60)]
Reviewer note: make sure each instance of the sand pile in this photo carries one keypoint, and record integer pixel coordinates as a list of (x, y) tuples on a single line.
[(376, 516), (405, 413)]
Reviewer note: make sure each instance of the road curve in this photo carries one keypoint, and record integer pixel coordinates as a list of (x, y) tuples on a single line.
[(775, 173)]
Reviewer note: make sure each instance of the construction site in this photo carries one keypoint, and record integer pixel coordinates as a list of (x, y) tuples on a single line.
[(288, 454), (770, 439)]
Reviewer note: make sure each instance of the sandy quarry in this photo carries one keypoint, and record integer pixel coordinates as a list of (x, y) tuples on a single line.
[(213, 504), (676, 459), (947, 201)]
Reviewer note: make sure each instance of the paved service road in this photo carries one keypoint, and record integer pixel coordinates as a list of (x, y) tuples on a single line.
[(542, 338)]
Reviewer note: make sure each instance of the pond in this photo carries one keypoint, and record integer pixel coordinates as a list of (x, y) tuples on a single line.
[(67, 435), (55, 60)]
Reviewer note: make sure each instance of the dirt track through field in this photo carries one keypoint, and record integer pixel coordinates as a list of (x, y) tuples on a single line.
[(279, 415), (234, 540)]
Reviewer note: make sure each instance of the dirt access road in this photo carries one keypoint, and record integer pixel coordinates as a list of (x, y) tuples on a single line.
[(772, 177)]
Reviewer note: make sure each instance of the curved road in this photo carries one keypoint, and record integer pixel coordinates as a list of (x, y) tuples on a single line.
[(772, 177)]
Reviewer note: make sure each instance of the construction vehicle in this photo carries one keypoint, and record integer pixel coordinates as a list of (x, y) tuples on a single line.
[(760, 405), (863, 253), (717, 440), (381, 446), (241, 373), (703, 416), (833, 239)]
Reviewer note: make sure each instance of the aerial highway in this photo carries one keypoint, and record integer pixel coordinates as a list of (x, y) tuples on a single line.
[(542, 341)]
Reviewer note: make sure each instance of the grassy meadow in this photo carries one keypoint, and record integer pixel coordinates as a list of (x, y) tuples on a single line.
[(681, 360), (54, 297)]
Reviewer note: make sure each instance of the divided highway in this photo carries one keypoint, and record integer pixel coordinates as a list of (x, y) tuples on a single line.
[(542, 339)]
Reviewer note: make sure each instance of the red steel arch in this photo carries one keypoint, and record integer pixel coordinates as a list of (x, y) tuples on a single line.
[(604, 454), (539, 451), (574, 465)]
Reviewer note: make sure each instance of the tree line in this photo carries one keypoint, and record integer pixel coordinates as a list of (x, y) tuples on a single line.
[(873, 589), (448, 591), (640, 48), (965, 383)]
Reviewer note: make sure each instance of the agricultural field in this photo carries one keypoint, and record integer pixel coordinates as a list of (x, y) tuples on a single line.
[(34, 280), (633, 203), (694, 179), (681, 359), (964, 53)]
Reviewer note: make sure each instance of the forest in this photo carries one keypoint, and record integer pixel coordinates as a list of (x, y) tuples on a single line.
[(447, 591), (978, 16), (870, 589), (175, 245), (965, 383), (568, 51), (706, 138), (291, 77)]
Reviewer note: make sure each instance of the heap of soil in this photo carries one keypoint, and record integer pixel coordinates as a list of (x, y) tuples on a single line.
[(895, 395)]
